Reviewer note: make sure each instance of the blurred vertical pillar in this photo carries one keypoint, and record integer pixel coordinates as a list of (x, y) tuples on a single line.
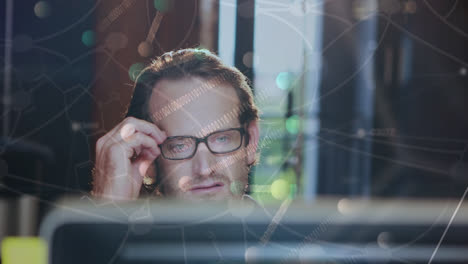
[(313, 29), (244, 42), (7, 217), (365, 50), (347, 99), (209, 26), (28, 208), (6, 90), (227, 30), (244, 36)]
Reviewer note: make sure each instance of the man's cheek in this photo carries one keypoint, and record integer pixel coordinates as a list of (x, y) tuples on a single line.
[(184, 183), (237, 180)]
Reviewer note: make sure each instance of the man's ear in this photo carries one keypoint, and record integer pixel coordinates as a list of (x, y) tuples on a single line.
[(254, 137)]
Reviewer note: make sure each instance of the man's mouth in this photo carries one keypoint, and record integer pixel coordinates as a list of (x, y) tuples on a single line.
[(207, 188)]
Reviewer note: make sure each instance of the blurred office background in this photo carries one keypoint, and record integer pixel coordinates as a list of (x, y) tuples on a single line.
[(361, 98)]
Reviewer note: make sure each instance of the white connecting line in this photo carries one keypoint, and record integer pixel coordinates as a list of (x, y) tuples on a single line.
[(276, 220), (448, 226)]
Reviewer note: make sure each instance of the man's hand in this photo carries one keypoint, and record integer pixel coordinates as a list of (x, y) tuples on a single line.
[(123, 156)]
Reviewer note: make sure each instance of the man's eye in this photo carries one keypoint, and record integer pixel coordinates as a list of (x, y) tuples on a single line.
[(222, 139), (178, 147)]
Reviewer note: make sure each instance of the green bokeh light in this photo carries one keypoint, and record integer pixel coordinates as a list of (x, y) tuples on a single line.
[(24, 250), (293, 124), (164, 5), (202, 53), (284, 80), (88, 38), (280, 189), (134, 70)]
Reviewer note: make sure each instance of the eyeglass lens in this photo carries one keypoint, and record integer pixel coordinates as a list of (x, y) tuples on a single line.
[(219, 142)]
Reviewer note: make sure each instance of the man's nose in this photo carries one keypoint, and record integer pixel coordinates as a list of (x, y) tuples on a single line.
[(203, 160)]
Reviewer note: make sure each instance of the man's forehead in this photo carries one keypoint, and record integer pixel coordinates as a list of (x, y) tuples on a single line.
[(194, 106), (190, 89)]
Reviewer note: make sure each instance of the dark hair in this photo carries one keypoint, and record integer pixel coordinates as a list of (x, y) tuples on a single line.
[(190, 63)]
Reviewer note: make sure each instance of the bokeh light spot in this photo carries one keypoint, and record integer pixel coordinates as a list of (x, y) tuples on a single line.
[(361, 133), (384, 240), (247, 59), (284, 80), (135, 70), (462, 71), (145, 49), (164, 5), (201, 53), (292, 124), (280, 189), (88, 38), (14, 250), (42, 9)]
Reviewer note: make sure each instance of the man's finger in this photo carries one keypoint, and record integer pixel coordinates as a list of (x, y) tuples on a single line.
[(139, 141), (131, 124)]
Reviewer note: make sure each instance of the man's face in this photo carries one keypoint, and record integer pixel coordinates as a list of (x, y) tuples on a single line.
[(205, 175)]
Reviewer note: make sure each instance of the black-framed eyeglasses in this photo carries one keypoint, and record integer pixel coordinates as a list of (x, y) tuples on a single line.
[(218, 142)]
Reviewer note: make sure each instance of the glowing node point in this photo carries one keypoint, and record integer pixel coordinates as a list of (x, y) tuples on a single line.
[(145, 49), (384, 239), (361, 133), (463, 72), (88, 38), (284, 80), (135, 70), (280, 189), (247, 59), (292, 124), (163, 5), (343, 206), (252, 255), (76, 126), (42, 9), (116, 41), (347, 207)]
